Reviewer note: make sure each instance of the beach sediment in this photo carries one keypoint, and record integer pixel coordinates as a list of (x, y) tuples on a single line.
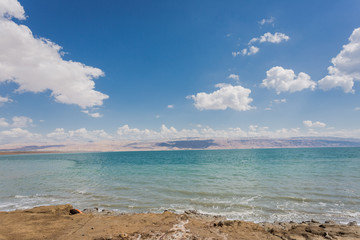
[(55, 222)]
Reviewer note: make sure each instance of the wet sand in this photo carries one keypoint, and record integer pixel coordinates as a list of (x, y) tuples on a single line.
[(55, 222)]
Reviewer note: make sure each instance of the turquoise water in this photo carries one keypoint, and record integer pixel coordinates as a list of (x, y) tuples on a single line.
[(256, 185)]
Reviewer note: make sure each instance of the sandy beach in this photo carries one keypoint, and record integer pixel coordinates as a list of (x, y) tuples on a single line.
[(56, 222)]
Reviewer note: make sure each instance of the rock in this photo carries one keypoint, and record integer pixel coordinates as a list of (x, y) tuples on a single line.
[(326, 235), (219, 224), (55, 210), (228, 223), (353, 223), (190, 212), (330, 222), (123, 236)]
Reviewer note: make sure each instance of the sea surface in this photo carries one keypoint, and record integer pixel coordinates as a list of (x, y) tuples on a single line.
[(255, 185)]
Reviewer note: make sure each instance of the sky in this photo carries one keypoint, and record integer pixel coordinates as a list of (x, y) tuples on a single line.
[(135, 70)]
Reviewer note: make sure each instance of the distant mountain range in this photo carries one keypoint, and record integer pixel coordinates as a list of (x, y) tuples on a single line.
[(183, 144)]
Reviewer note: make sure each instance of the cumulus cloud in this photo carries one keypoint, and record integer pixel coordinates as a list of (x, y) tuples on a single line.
[(234, 77), (267, 21), (81, 134), (267, 37), (60, 135), (310, 124), (272, 38), (253, 127), (11, 8), (94, 115), (4, 100), (21, 121), (228, 96), (285, 80), (17, 122), (18, 135), (235, 53), (36, 64), (251, 51), (4, 123), (170, 106), (125, 132), (346, 66)]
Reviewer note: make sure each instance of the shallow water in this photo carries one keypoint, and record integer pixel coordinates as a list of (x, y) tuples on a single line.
[(256, 185)]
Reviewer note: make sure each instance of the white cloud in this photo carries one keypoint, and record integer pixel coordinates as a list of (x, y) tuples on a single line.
[(269, 20), (251, 51), (4, 100), (94, 115), (310, 124), (59, 135), (246, 52), (346, 66), (228, 96), (279, 100), (272, 38), (170, 106), (285, 80), (234, 77), (36, 64), (21, 121), (4, 123), (253, 127), (125, 132), (17, 122), (357, 109), (267, 37), (11, 8), (276, 101), (18, 135), (81, 134)]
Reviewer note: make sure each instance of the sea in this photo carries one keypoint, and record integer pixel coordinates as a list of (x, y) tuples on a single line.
[(258, 185)]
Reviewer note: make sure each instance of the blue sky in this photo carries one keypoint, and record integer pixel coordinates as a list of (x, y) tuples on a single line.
[(170, 69)]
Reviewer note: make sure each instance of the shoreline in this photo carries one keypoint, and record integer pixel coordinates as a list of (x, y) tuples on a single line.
[(55, 222)]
